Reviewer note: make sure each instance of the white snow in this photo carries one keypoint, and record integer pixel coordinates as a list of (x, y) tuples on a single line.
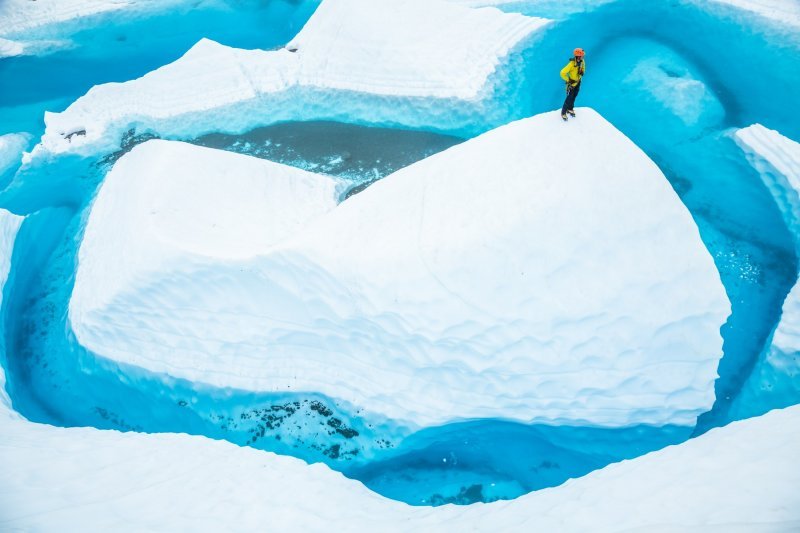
[(537, 272), (9, 226), (348, 49), (777, 159), (742, 477), (12, 146)]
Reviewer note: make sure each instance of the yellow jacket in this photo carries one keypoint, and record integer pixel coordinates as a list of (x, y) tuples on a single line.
[(572, 73)]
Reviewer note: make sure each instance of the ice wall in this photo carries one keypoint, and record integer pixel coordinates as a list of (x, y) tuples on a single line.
[(536, 272)]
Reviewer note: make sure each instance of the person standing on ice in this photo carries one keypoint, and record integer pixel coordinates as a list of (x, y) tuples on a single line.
[(572, 74)]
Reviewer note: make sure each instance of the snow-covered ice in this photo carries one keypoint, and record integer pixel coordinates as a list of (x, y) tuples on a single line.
[(444, 53), (777, 159), (738, 478), (463, 286)]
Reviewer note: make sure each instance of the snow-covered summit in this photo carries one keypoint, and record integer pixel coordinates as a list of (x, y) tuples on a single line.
[(348, 51), (537, 272)]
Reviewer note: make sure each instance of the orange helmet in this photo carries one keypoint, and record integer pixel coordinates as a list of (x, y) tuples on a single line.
[(578, 52)]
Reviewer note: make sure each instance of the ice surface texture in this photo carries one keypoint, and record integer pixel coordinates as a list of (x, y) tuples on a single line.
[(737, 478), (349, 49), (777, 159), (504, 277)]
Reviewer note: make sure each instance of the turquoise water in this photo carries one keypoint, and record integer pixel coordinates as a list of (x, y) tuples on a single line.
[(677, 104)]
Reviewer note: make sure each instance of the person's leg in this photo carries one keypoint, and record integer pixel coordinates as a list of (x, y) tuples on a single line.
[(569, 101), (573, 95)]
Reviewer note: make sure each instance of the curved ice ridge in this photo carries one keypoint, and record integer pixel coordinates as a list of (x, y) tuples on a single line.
[(350, 59), (484, 281), (777, 374)]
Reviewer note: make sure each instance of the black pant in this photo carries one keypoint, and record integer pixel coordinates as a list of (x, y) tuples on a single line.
[(569, 102)]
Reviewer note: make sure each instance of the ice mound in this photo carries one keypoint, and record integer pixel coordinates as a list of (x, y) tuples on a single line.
[(777, 159), (540, 272), (735, 478), (348, 49), (198, 203)]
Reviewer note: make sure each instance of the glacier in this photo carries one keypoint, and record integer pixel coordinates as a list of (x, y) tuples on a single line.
[(678, 81)]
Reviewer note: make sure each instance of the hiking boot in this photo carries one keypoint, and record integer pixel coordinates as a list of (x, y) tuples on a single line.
[(564, 116), (571, 112)]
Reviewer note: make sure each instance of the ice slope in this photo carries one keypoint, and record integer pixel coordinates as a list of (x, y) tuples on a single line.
[(737, 478), (351, 59), (777, 159), (466, 285)]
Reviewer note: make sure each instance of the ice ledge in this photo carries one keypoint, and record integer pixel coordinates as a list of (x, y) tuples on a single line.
[(485, 281), (349, 52)]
